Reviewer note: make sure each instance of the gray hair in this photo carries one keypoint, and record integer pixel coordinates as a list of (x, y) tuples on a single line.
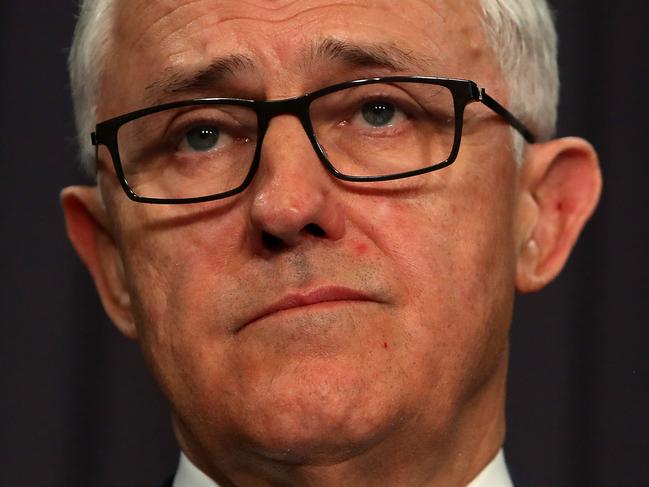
[(520, 32), (523, 37), (86, 62)]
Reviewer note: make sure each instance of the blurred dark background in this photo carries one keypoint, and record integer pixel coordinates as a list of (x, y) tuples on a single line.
[(77, 407)]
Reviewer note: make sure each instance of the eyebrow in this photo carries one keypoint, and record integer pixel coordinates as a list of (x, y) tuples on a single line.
[(385, 56), (178, 82), (380, 55)]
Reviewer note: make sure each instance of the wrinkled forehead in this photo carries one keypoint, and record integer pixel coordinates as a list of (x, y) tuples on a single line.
[(284, 47)]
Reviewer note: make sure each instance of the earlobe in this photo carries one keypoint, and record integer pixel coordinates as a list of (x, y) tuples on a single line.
[(89, 231), (561, 184)]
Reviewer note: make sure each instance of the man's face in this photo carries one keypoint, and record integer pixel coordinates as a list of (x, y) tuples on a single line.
[(399, 294)]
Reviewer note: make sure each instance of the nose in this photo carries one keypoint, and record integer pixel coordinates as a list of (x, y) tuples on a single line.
[(294, 197)]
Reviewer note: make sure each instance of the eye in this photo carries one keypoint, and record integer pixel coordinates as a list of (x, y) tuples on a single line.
[(378, 113), (201, 138)]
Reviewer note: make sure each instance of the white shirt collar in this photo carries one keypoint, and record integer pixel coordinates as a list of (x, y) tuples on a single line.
[(188, 475), (493, 475)]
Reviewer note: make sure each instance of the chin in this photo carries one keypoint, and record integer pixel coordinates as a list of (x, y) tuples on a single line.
[(313, 442), (322, 416)]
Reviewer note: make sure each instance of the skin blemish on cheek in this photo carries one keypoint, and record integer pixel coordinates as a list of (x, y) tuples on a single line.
[(385, 344), (360, 248)]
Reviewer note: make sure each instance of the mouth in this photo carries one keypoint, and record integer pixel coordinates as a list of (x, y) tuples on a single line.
[(324, 295)]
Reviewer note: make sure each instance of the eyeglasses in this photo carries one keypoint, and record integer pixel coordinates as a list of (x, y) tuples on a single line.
[(375, 129)]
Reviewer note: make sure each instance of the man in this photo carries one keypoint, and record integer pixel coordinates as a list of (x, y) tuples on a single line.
[(322, 296)]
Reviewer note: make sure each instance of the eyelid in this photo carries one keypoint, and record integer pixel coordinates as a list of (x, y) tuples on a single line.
[(192, 116), (414, 106), (225, 121), (398, 95)]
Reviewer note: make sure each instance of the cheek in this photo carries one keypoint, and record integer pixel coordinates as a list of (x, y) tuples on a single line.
[(178, 277), (453, 255), (172, 265)]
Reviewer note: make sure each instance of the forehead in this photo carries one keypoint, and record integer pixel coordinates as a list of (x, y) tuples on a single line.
[(155, 39)]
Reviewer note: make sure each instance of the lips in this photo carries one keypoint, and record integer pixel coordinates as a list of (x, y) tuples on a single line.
[(328, 294)]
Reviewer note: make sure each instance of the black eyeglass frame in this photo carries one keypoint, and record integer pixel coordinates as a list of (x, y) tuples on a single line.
[(463, 91)]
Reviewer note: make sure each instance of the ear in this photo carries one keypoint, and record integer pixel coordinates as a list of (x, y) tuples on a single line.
[(560, 186), (89, 230)]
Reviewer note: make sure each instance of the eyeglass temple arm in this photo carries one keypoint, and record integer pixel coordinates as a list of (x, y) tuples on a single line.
[(507, 115)]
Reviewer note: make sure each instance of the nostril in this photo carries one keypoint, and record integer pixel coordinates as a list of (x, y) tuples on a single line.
[(277, 243), (315, 230), (271, 242)]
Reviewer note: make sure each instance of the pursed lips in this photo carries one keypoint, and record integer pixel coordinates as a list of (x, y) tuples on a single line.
[(329, 294)]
